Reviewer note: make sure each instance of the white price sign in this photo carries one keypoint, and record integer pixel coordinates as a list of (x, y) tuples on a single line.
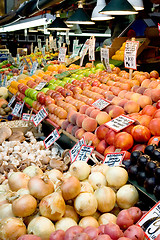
[(54, 45), (92, 42), (74, 151), (119, 123), (114, 159), (26, 117), (84, 153), (40, 86), (52, 137), (62, 54), (12, 101), (150, 222), (130, 54), (17, 108), (40, 116), (105, 58), (34, 68), (101, 103)]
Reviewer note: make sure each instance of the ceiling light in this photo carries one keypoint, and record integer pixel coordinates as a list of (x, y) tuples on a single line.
[(118, 7), (137, 4), (58, 24), (32, 30), (96, 16), (80, 16)]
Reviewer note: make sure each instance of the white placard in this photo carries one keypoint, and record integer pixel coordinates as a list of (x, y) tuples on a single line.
[(11, 101), (31, 47), (34, 68), (46, 44), (40, 116), (119, 123), (39, 44), (0, 80), (101, 103), (74, 151), (52, 137), (54, 46), (105, 58), (43, 50), (130, 54), (84, 153), (17, 108), (62, 54), (150, 222), (84, 51), (114, 159), (4, 80), (26, 117), (40, 86), (92, 42)]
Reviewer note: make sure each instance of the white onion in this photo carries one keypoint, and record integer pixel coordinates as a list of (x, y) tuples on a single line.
[(18, 180), (85, 204), (107, 218), (23, 191), (32, 171), (4, 188), (70, 188), (80, 170), (106, 198), (54, 175), (86, 187), (88, 221), (97, 180), (71, 213), (3, 198), (116, 177), (127, 196), (6, 211), (52, 206), (65, 223), (66, 174), (40, 187), (103, 168), (41, 226), (24, 206), (12, 228)]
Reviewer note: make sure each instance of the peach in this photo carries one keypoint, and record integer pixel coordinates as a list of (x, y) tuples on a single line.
[(74, 129), (94, 113), (145, 120), (109, 149), (95, 141), (141, 134), (83, 108), (145, 83), (156, 114), (134, 88), (89, 110), (69, 128), (155, 94), (110, 97), (141, 90), (122, 102), (128, 95), (154, 74), (116, 111), (108, 108), (115, 90), (88, 136), (147, 92), (110, 137), (89, 124), (144, 100), (115, 100), (101, 132), (149, 110), (131, 107), (65, 124), (102, 118), (154, 126), (153, 84), (135, 97), (101, 147), (158, 87), (74, 117), (80, 119), (79, 133), (122, 93), (70, 113)]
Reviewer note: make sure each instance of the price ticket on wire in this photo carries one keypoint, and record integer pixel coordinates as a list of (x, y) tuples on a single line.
[(114, 159), (92, 42), (75, 150), (84, 153), (40, 86), (130, 54), (12, 101), (17, 109), (62, 54), (150, 222), (40, 116), (27, 117), (101, 103), (105, 58), (52, 137), (119, 123)]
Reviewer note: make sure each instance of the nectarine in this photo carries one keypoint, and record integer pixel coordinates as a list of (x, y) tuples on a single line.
[(123, 141)]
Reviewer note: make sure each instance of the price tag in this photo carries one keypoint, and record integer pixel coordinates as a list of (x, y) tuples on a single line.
[(39, 44), (114, 159), (0, 80), (52, 137), (67, 38), (62, 54), (54, 44), (76, 51), (25, 60), (84, 51), (11, 59), (44, 61), (40, 116), (26, 116), (60, 42), (130, 54), (18, 60), (31, 47), (84, 152), (101, 103), (17, 108), (150, 222), (92, 42), (11, 101), (4, 80), (36, 49), (21, 69), (105, 58), (74, 151), (40, 86), (43, 51), (119, 123), (34, 68)]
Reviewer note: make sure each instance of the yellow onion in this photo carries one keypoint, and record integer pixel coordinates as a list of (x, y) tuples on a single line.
[(6, 211), (107, 218), (54, 175), (4, 188), (3, 198), (88, 221), (24, 205), (52, 206), (70, 188), (86, 187), (85, 204), (103, 168), (97, 180), (12, 228), (80, 170), (116, 177), (65, 223), (71, 213), (40, 187), (18, 180), (32, 171), (41, 226)]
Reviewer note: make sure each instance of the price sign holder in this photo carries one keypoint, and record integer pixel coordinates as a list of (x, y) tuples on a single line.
[(84, 51), (101, 103), (12, 101), (150, 222), (74, 151), (40, 116), (17, 108), (52, 137), (114, 159), (119, 123), (92, 42), (105, 58), (26, 117), (40, 86), (62, 54), (84, 153)]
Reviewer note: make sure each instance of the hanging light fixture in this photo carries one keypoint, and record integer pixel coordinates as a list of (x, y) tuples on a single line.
[(118, 7), (80, 16), (137, 4), (58, 24), (96, 16)]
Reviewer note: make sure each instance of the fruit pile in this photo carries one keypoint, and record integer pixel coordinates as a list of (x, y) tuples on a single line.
[(119, 54)]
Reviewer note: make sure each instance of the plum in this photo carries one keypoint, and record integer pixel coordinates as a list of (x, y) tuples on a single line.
[(57, 235), (124, 219), (134, 232), (113, 230), (136, 213)]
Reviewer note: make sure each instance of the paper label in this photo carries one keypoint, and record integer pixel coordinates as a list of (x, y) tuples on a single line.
[(150, 222), (54, 45), (74, 151), (92, 42), (130, 54), (21, 69), (40, 116), (52, 137), (84, 153), (40, 86), (84, 51), (39, 44), (119, 123), (0, 80), (25, 60), (11, 101), (47, 44), (16, 110), (105, 58), (62, 54), (43, 51), (18, 61), (101, 103), (114, 159), (34, 68), (26, 117), (31, 60), (4, 80), (31, 47)]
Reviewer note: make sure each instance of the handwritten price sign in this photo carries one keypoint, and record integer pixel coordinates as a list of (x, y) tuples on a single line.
[(130, 54), (17, 108), (52, 137), (114, 159), (119, 123), (62, 54), (84, 153), (100, 103), (40, 116), (26, 117), (12, 101), (74, 151)]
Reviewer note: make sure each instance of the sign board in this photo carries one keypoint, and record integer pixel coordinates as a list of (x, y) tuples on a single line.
[(40, 86), (101, 103), (11, 101), (84, 51), (26, 117), (74, 151), (84, 153), (130, 54), (105, 58), (92, 42), (17, 108), (40, 116), (114, 159), (52, 137), (62, 54)]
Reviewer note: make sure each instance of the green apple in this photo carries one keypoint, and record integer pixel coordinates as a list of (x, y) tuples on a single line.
[(34, 95), (100, 66), (93, 70), (62, 84), (66, 79), (87, 73), (44, 90), (111, 66), (74, 75), (27, 91), (52, 86), (52, 81), (80, 77)]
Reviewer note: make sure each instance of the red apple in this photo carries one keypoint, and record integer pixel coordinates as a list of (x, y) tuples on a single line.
[(101, 131), (41, 97)]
